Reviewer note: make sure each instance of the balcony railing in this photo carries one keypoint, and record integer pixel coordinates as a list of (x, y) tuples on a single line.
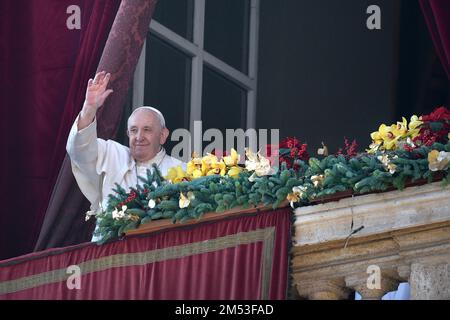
[(371, 243)]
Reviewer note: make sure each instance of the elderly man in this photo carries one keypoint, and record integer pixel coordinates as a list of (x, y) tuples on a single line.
[(98, 164)]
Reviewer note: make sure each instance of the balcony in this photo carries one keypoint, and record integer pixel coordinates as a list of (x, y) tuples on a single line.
[(399, 236)]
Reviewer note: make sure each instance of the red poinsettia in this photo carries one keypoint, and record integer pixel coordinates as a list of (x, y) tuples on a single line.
[(440, 114), (435, 128)]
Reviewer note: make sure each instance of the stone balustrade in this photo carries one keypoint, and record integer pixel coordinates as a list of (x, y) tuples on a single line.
[(404, 236)]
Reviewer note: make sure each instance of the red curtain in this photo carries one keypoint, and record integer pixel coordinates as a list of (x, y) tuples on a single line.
[(237, 258), (437, 16), (44, 69)]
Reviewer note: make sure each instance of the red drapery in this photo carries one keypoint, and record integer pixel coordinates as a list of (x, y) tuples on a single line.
[(245, 257), (437, 16), (44, 70), (63, 224)]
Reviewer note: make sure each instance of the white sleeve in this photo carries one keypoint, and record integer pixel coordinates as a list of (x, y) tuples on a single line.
[(86, 153)]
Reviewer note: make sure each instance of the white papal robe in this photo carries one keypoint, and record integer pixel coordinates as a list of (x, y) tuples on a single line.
[(98, 164)]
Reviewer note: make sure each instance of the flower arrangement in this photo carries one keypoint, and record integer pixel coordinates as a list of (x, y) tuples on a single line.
[(420, 131), (393, 136), (206, 166), (401, 153)]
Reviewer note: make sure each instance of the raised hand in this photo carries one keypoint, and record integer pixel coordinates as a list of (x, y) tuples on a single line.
[(96, 94)]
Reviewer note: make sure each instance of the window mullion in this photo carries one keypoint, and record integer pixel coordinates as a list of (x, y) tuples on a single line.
[(197, 66), (139, 80), (253, 63)]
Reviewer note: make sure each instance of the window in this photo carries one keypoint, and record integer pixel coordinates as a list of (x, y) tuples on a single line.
[(200, 63)]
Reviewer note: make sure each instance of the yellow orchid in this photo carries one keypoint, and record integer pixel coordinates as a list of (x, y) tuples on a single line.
[(194, 167), (217, 168), (438, 160), (414, 123), (296, 195), (292, 198), (389, 137), (207, 161), (400, 129), (176, 175), (233, 172), (385, 136), (233, 159)]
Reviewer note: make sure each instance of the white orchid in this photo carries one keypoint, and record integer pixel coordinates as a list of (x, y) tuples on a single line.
[(116, 214), (257, 163), (317, 180), (384, 159), (185, 201), (438, 160)]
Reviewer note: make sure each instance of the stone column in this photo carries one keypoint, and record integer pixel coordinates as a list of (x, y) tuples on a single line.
[(430, 281), (359, 282), (328, 289)]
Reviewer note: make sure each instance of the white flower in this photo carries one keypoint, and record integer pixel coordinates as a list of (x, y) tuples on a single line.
[(384, 159), (317, 180), (409, 142), (438, 160), (116, 214), (151, 203), (185, 200), (89, 214), (259, 164)]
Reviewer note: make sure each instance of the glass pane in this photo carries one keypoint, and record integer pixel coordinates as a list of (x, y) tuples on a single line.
[(226, 31), (177, 15), (167, 83), (224, 104)]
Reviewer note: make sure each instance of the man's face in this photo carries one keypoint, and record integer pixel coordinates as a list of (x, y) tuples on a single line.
[(145, 135)]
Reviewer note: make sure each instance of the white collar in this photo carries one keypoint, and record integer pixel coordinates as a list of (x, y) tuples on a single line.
[(156, 159)]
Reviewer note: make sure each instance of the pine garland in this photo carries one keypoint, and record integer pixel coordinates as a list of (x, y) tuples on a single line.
[(155, 198)]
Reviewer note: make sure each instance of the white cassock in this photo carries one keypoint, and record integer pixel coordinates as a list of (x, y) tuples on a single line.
[(98, 164), (402, 293)]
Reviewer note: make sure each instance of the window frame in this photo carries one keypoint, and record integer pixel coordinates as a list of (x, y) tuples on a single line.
[(200, 57)]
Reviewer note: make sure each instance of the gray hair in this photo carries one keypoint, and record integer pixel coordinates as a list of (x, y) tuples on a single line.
[(158, 113)]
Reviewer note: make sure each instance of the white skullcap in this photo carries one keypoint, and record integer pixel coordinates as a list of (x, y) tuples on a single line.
[(160, 116)]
